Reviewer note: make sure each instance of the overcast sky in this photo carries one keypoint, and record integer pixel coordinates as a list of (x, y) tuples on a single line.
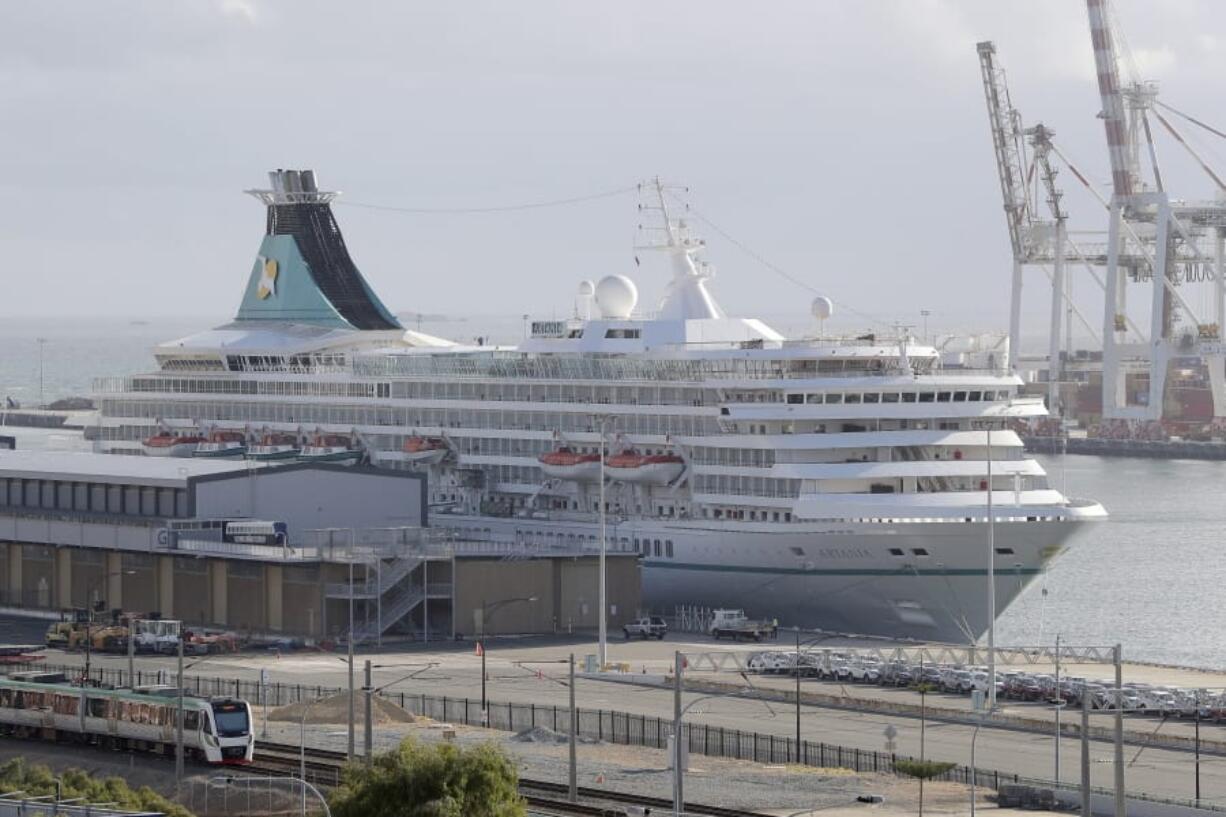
[(846, 142)]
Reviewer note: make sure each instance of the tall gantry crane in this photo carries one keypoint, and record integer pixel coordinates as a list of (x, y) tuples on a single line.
[(1035, 241), (1154, 242)]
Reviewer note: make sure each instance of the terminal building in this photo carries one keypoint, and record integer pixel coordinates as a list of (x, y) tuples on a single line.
[(287, 549)]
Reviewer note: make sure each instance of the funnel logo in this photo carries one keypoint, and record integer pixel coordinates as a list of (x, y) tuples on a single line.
[(268, 281)]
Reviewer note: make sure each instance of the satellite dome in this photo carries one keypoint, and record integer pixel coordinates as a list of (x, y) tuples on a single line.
[(822, 307), (586, 289), (616, 295)]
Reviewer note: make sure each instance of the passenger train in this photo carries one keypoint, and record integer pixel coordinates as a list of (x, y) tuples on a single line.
[(41, 704)]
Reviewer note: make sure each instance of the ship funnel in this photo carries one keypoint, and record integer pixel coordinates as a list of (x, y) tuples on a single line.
[(303, 273)]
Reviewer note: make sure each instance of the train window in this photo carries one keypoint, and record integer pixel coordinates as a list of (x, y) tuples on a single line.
[(98, 707), (191, 720), (6, 698), (231, 719)]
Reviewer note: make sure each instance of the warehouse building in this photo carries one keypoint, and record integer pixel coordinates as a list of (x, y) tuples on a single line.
[(287, 549)]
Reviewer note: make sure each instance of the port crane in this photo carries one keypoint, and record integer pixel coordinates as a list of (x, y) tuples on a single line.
[(1024, 166), (1156, 248), (1154, 243)]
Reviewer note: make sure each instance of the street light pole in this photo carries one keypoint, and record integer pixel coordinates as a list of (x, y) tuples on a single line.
[(179, 719), (678, 792), (485, 718), (350, 654), (991, 585), (41, 397), (797, 671), (573, 789), (603, 646)]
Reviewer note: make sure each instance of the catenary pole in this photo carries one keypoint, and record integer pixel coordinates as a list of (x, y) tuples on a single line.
[(1085, 755), (1120, 805), (573, 789), (368, 737)]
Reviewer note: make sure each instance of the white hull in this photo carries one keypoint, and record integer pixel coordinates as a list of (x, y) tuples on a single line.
[(846, 580)]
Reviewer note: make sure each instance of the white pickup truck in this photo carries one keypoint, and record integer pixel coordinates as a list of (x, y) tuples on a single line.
[(649, 627)]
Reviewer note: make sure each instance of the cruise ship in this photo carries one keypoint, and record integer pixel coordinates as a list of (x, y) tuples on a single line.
[(837, 483)]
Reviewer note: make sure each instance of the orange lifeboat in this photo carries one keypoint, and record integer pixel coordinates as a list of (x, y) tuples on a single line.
[(566, 463), (171, 444), (427, 450), (653, 469)]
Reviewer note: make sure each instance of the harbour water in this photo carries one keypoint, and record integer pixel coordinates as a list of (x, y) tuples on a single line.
[(1151, 577)]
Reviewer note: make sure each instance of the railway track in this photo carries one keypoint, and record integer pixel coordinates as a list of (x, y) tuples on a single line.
[(324, 767)]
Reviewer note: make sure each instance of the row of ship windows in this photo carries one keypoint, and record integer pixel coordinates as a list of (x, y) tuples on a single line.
[(836, 398), (923, 552)]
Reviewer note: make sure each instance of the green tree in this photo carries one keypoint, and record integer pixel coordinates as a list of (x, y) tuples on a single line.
[(17, 775), (440, 780)]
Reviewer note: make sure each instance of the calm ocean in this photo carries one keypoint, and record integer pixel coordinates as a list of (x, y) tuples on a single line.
[(1151, 577)]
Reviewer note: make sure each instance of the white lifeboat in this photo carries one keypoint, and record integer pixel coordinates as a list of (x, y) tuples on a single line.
[(334, 449), (276, 445), (566, 463), (171, 444), (653, 469), (425, 450), (222, 444)]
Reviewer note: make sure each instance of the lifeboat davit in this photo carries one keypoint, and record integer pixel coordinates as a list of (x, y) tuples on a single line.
[(276, 445), (426, 450), (333, 449), (653, 469), (222, 445), (565, 463), (171, 444)]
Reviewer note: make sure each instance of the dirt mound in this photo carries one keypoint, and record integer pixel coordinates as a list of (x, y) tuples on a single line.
[(540, 734), (336, 710)]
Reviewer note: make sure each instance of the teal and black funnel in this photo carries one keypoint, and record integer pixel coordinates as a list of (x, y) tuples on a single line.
[(303, 273)]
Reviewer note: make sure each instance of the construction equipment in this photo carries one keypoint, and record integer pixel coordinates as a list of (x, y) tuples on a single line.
[(69, 633)]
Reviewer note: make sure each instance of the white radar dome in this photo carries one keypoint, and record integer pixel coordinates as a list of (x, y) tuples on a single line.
[(586, 289), (822, 307), (616, 295)]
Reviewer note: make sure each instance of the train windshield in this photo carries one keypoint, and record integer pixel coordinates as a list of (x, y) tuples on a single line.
[(231, 719)]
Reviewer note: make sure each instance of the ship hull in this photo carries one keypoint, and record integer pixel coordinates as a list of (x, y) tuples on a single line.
[(844, 577)]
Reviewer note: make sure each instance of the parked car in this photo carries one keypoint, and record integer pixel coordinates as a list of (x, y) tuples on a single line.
[(650, 627)]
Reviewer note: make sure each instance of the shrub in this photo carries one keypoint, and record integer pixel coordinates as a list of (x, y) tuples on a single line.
[(17, 775), (923, 769), (440, 780)]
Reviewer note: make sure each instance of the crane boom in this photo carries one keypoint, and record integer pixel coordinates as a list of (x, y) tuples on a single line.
[(1112, 114), (1005, 123)]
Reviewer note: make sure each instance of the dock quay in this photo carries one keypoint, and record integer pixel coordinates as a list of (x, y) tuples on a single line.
[(1156, 449)]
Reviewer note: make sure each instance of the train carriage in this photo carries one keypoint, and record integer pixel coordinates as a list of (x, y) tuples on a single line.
[(215, 730)]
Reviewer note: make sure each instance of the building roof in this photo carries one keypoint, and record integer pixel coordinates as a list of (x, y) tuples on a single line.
[(89, 467)]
